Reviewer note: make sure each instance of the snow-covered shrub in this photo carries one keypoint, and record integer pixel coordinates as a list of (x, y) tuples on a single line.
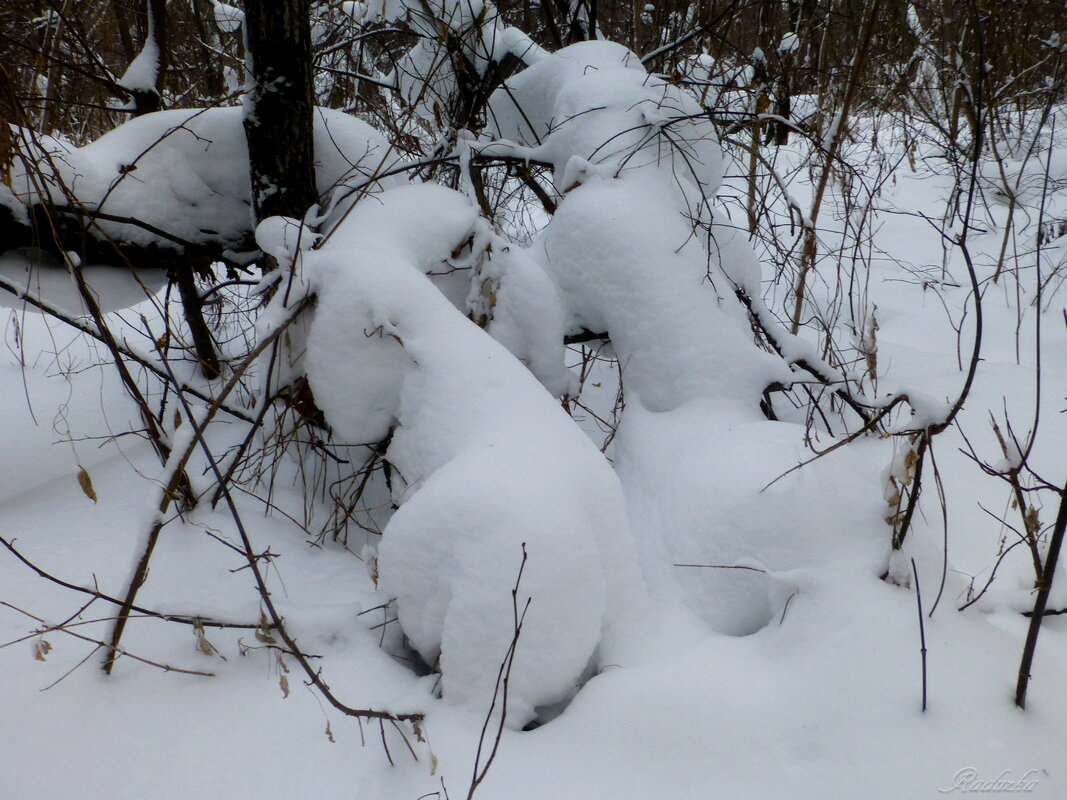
[(485, 463), (182, 172)]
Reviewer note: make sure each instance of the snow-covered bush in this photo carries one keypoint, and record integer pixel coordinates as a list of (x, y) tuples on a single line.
[(182, 172), (524, 425), (387, 352)]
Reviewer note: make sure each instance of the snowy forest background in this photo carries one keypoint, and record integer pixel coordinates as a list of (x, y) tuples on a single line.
[(433, 398)]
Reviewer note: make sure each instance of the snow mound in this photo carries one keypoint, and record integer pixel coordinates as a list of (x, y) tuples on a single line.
[(634, 247), (628, 262), (524, 109), (184, 172), (594, 101), (525, 314), (638, 253), (485, 463)]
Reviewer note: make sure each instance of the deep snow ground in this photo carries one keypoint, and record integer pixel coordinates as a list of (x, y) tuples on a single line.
[(820, 700)]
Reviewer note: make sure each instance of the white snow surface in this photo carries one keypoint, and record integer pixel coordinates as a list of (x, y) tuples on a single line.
[(143, 71), (594, 101), (527, 315), (628, 263), (186, 172), (40, 276), (778, 665), (486, 464)]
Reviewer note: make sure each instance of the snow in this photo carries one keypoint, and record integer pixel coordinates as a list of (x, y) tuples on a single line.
[(457, 404), (140, 75), (626, 246), (42, 277), (623, 254), (227, 17), (704, 619), (523, 111), (425, 75), (527, 315), (186, 172), (790, 43), (284, 237)]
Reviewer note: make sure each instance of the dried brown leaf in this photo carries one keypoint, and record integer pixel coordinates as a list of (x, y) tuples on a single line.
[(86, 483), (202, 643), (41, 648), (263, 631)]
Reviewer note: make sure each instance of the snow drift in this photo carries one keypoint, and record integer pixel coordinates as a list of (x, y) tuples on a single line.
[(485, 463)]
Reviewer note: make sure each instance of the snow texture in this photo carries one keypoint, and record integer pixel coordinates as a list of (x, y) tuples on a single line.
[(525, 313), (186, 172), (594, 102), (425, 75), (777, 664), (227, 17), (485, 463), (632, 246), (638, 253), (42, 277), (141, 74)]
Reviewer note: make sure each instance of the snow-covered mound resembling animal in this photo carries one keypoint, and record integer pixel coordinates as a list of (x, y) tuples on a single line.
[(486, 463)]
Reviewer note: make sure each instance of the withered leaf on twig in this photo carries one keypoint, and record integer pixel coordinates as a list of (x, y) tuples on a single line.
[(41, 648), (86, 483), (202, 643), (263, 631)]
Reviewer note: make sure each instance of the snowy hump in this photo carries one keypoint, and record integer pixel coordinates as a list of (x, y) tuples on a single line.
[(184, 172), (485, 463), (594, 101)]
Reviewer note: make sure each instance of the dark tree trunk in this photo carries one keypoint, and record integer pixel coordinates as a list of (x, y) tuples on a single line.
[(279, 121), (279, 125)]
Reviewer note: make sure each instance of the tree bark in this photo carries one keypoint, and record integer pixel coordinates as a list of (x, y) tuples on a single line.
[(278, 120)]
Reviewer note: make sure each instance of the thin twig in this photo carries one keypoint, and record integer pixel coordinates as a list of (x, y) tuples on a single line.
[(97, 594), (174, 471), (99, 644), (1041, 602), (500, 691), (312, 674), (721, 566), (90, 330), (922, 627)]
